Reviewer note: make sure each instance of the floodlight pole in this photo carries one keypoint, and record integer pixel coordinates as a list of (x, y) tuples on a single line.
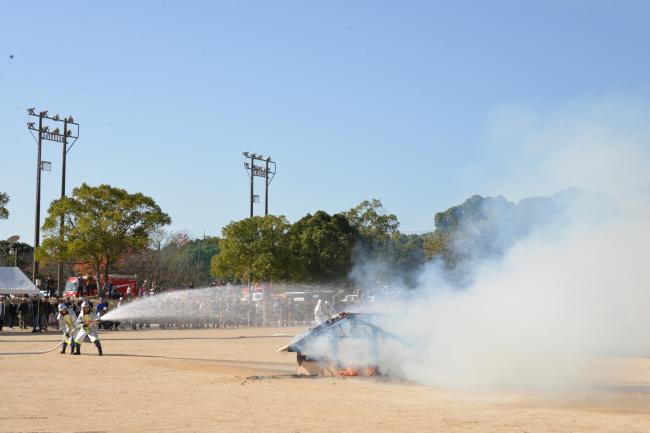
[(37, 218), (266, 188), (252, 178), (59, 265), (44, 134), (259, 171)]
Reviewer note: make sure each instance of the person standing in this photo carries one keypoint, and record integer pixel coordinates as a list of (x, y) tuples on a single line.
[(45, 310), (101, 305), (319, 312), (89, 328), (80, 287), (49, 286), (91, 287), (23, 311), (106, 325), (10, 309), (2, 311), (35, 313), (143, 289), (67, 326)]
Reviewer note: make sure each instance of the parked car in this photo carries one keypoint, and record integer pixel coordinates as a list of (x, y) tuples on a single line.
[(257, 296), (350, 299)]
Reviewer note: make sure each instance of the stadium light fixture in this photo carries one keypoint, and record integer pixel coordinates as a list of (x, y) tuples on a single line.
[(265, 170), (67, 136)]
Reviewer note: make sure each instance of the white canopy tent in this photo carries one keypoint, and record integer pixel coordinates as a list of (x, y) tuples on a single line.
[(14, 282)]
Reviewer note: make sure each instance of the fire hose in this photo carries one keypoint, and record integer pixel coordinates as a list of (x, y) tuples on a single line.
[(44, 351)]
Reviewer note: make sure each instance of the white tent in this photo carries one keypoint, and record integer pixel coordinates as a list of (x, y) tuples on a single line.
[(14, 282)]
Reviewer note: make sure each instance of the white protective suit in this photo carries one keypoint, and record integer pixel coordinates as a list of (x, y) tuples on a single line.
[(89, 328), (320, 313), (67, 324)]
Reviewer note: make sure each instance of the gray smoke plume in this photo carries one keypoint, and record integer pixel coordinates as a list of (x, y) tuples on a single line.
[(536, 317), (555, 286)]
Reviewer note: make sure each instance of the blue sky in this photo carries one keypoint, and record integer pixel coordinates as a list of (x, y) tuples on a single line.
[(353, 99)]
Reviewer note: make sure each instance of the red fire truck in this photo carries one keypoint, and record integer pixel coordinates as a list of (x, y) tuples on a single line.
[(258, 293), (121, 284)]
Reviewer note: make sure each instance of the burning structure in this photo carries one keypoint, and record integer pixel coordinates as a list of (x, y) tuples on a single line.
[(348, 344)]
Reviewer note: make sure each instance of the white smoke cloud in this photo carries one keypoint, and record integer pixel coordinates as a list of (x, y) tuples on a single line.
[(565, 293), (537, 317)]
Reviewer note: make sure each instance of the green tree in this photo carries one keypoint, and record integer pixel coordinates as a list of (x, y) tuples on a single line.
[(481, 227), (321, 246), (439, 245), (101, 224), (375, 250), (172, 260), (4, 200), (255, 248), (407, 256), (371, 221), (23, 258), (194, 261)]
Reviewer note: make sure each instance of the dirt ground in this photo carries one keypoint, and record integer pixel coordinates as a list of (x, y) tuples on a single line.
[(234, 381)]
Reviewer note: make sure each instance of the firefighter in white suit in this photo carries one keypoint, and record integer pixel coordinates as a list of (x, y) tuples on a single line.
[(89, 328), (320, 312), (67, 323)]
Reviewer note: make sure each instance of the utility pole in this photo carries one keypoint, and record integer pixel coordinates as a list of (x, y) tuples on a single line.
[(70, 131), (267, 171)]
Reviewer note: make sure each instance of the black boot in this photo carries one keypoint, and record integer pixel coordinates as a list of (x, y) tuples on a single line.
[(98, 345), (72, 346), (65, 346), (77, 349)]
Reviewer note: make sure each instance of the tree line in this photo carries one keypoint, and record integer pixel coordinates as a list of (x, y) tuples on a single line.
[(109, 230)]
